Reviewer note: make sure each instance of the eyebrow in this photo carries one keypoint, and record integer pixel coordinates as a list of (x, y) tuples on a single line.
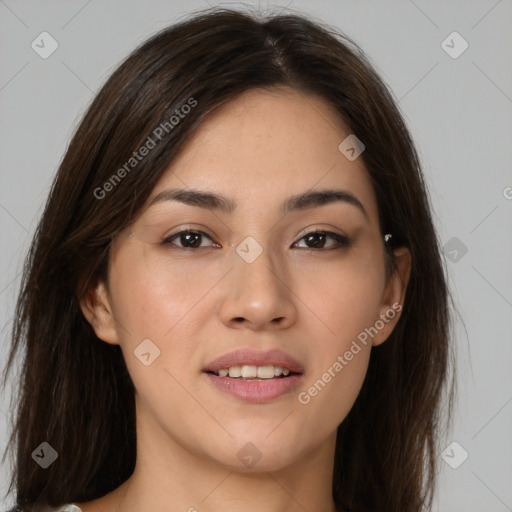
[(218, 202)]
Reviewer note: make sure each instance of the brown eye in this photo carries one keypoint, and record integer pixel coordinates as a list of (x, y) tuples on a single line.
[(188, 239), (316, 240)]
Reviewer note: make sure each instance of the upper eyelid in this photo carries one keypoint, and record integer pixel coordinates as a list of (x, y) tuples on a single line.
[(185, 228)]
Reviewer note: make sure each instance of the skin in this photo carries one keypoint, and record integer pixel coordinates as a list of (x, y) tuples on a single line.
[(257, 150)]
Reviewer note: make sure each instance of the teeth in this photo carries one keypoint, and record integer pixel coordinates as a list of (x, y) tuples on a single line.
[(252, 372), (249, 372), (265, 372), (235, 371)]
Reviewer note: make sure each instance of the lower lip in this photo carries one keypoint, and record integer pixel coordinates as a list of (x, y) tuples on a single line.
[(256, 391)]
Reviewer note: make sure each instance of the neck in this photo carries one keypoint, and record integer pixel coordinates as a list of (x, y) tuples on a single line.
[(169, 476)]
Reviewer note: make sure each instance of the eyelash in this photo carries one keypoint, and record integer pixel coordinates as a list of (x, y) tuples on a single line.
[(343, 241)]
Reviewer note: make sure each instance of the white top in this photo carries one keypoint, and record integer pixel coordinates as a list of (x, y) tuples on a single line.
[(68, 508)]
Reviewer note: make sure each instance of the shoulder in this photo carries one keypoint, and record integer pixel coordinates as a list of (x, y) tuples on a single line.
[(65, 508)]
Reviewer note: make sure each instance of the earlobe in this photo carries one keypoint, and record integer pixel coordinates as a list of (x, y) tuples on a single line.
[(96, 307), (394, 295)]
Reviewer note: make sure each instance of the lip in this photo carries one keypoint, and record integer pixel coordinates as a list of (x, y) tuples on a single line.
[(253, 357), (256, 391)]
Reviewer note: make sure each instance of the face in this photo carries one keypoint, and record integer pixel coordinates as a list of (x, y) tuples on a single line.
[(286, 277)]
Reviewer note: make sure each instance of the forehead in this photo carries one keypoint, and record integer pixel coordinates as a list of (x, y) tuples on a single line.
[(267, 145)]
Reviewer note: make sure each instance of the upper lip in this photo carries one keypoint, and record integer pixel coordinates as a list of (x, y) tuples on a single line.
[(246, 356)]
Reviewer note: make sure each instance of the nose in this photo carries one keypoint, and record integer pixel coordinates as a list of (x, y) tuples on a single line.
[(258, 295)]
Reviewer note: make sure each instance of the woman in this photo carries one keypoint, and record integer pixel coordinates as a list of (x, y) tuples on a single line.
[(235, 295)]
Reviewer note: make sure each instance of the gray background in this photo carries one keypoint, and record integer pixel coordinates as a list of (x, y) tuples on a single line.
[(458, 110)]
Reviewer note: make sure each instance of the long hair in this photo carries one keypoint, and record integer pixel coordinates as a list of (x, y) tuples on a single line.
[(75, 392)]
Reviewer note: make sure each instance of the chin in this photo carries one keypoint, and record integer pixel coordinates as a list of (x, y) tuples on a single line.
[(255, 452)]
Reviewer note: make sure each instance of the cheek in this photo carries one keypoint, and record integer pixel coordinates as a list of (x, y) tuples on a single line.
[(166, 306), (344, 298), (330, 393), (345, 302), (154, 312), (153, 297)]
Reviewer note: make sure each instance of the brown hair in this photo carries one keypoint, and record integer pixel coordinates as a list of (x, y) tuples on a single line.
[(75, 392)]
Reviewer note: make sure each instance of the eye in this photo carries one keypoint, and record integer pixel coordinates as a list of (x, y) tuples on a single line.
[(188, 238), (317, 240)]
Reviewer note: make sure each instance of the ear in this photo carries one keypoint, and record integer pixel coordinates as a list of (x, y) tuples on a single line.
[(394, 295), (97, 309)]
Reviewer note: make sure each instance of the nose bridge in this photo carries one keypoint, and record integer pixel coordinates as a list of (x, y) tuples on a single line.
[(258, 267), (257, 290)]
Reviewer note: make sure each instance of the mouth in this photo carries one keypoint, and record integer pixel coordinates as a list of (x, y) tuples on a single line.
[(255, 376)]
